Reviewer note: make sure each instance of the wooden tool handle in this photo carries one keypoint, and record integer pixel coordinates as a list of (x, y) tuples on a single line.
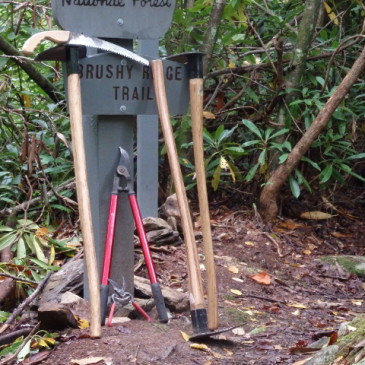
[(196, 109), (195, 281), (83, 197), (57, 36)]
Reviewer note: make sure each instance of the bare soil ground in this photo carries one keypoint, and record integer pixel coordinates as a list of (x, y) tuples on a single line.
[(305, 300)]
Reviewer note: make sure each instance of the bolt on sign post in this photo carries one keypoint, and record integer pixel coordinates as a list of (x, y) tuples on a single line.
[(115, 92)]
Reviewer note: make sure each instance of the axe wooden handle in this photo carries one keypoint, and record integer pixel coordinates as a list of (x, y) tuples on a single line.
[(83, 197), (196, 109), (57, 36), (195, 281)]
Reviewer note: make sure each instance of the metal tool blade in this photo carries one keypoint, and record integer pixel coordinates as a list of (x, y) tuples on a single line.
[(82, 40)]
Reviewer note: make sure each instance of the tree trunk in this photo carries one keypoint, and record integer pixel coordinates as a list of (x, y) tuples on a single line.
[(305, 36), (297, 67), (212, 31), (269, 194)]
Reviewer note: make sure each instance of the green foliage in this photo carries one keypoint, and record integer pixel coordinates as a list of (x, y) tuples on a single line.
[(39, 341), (12, 348), (29, 239), (246, 82), (245, 36), (222, 155), (262, 143), (338, 155), (34, 133)]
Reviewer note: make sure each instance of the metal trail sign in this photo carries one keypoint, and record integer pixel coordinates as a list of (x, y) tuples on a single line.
[(116, 86), (123, 19)]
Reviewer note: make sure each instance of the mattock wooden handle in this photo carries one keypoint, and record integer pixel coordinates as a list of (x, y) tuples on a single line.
[(195, 281)]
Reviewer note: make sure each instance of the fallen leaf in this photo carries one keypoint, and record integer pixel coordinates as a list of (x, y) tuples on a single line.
[(45, 342), (82, 323), (92, 360), (239, 331), (328, 203), (249, 243), (229, 352), (40, 232), (317, 215), (291, 225), (301, 362), (199, 346), (37, 358), (185, 336), (333, 338), (297, 305), (236, 292), (258, 330), (208, 115), (262, 278), (233, 269), (340, 235), (223, 236), (307, 252), (357, 302)]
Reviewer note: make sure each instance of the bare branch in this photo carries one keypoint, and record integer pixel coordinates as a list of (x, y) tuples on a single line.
[(33, 73)]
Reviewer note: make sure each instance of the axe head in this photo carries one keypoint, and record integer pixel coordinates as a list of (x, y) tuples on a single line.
[(193, 60), (58, 53)]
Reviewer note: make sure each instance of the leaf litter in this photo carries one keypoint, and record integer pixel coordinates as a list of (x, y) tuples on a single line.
[(278, 290)]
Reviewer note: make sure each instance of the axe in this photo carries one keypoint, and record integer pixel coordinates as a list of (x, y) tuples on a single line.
[(194, 62), (70, 52)]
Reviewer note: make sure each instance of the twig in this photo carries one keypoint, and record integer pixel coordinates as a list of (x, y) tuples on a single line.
[(271, 13), (10, 337), (25, 303), (216, 91), (237, 96), (339, 49), (17, 278), (67, 185), (8, 360), (261, 66), (135, 357), (264, 298), (275, 243), (263, 46)]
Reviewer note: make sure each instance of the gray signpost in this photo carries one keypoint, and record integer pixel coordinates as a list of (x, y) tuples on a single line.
[(116, 93)]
